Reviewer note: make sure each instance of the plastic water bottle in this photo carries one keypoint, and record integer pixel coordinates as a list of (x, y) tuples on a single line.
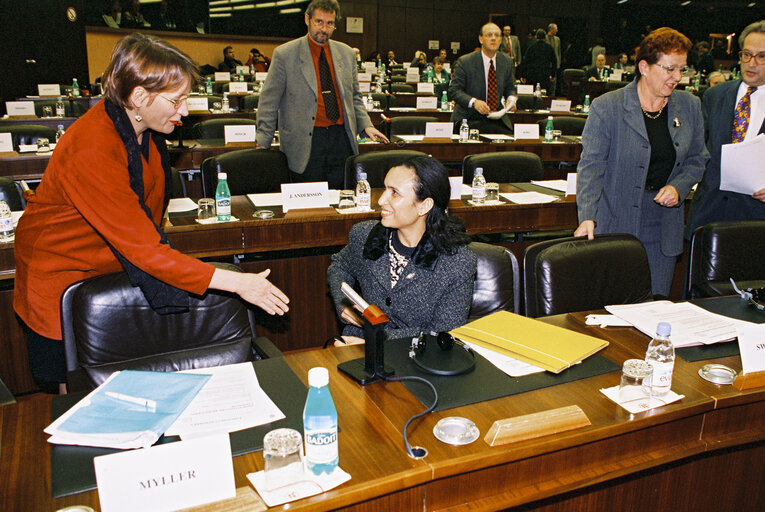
[(605, 74), (59, 132), (444, 101), (241, 75), (363, 192), (661, 356), (60, 110), (697, 81), (75, 88), (537, 90), (225, 104), (208, 86), (320, 424), (6, 223), (586, 108), (464, 131), (479, 186), (223, 198), (549, 129)]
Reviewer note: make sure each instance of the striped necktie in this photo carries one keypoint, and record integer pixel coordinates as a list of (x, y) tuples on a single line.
[(491, 89), (741, 116)]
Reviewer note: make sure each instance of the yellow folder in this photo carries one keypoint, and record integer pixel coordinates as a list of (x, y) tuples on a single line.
[(547, 346)]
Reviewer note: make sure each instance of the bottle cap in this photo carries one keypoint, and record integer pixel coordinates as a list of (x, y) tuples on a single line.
[(318, 377), (663, 329), (61, 127), (222, 176), (478, 170), (362, 175)]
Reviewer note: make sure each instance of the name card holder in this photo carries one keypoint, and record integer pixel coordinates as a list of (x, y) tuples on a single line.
[(526, 131), (198, 104), (425, 87), (540, 424), (261, 76), (752, 349), (525, 89), (413, 78), (438, 132), (239, 135), (427, 102), (305, 196), (560, 106), (237, 87), (364, 77), (222, 76), (365, 87), (49, 90), (20, 109), (6, 142)]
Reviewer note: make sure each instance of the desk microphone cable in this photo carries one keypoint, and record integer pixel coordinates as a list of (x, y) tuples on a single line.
[(417, 452)]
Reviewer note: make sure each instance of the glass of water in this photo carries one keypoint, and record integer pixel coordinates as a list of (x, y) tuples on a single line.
[(636, 381), (283, 458), (346, 200), (206, 209), (492, 191), (47, 111), (43, 145)]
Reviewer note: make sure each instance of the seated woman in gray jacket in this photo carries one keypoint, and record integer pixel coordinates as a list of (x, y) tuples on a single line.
[(414, 263)]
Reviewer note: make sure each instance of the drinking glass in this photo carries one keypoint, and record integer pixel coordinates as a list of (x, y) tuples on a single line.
[(47, 111), (474, 135), (492, 191), (43, 145), (282, 457), (206, 209), (636, 381), (216, 106), (346, 200)]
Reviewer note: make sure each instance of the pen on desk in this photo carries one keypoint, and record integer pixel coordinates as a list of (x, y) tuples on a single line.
[(145, 402)]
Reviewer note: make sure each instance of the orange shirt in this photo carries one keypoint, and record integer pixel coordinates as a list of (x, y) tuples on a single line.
[(84, 199), (321, 115)]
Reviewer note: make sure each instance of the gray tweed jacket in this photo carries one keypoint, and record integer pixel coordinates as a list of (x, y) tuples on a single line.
[(434, 292)]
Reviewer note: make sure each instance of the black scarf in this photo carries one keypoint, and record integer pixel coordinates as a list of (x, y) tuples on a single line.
[(162, 297)]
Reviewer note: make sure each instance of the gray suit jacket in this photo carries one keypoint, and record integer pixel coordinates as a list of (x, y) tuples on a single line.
[(555, 43), (710, 204), (614, 163), (515, 45), (433, 296), (290, 94), (469, 81)]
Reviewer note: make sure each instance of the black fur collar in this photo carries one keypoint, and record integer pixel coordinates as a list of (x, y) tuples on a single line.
[(425, 254)]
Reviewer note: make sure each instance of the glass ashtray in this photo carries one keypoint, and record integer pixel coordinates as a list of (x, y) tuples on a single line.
[(455, 430), (263, 214), (717, 373)]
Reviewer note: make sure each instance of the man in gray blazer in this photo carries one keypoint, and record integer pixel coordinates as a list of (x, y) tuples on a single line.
[(510, 45), (319, 114), (469, 89), (710, 204)]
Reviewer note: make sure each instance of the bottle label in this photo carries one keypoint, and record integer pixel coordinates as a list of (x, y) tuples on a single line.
[(6, 224), (479, 192), (321, 445), (363, 200), (662, 374), (223, 206)]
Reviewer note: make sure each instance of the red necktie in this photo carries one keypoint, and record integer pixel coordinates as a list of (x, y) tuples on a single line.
[(491, 89), (741, 116), (509, 48)]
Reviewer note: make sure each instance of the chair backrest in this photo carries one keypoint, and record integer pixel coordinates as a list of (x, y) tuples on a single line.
[(11, 194), (214, 128), (398, 78), (528, 102), (497, 281), (250, 102), (504, 166), (383, 98), (249, 171), (410, 125), (179, 188), (71, 108), (108, 326), (722, 250), (397, 87), (28, 133), (376, 164), (612, 86), (576, 274), (568, 125), (573, 75)]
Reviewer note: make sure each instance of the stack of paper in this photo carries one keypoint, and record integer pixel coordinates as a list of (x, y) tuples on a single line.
[(130, 410), (534, 342)]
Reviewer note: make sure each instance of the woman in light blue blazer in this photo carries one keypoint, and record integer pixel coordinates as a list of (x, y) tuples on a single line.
[(642, 152)]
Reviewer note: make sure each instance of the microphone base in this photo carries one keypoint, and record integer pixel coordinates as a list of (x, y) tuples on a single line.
[(356, 369)]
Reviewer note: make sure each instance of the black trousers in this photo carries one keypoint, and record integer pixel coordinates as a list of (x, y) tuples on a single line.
[(46, 360), (329, 149)]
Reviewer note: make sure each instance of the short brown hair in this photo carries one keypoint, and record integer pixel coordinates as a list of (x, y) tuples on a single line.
[(663, 40), (141, 60), (324, 5)]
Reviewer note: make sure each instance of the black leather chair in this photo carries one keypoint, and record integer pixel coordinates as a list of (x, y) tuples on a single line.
[(398, 78), (384, 99), (108, 326), (398, 87), (179, 187), (723, 250), (249, 171), (376, 164), (568, 125), (250, 102), (576, 274), (214, 128), (28, 133), (497, 281), (572, 80), (528, 102), (71, 108), (410, 125), (10, 192), (612, 86), (504, 166)]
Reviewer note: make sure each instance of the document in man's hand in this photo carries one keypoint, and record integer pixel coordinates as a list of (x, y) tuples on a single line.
[(540, 344), (741, 168), (131, 409)]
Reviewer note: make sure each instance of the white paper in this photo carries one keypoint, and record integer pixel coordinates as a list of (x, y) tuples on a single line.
[(16, 216), (439, 130), (691, 325), (49, 89), (270, 199), (507, 105), (497, 137), (427, 102), (559, 185), (751, 344), (231, 400), (364, 77), (526, 131), (560, 105), (20, 108), (181, 204), (166, 477), (403, 109), (197, 103), (741, 166), (222, 76), (571, 184), (528, 197), (260, 76), (237, 87), (509, 365), (6, 142), (239, 133), (425, 87), (606, 321), (467, 190), (310, 486), (214, 220), (455, 182), (641, 404), (305, 195), (525, 89)]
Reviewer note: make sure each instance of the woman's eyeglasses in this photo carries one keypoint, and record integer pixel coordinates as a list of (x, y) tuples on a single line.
[(745, 56), (671, 69), (176, 103)]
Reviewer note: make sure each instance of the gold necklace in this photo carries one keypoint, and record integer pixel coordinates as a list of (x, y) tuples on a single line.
[(656, 115)]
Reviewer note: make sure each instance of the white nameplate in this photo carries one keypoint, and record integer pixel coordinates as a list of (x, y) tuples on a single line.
[(222, 76), (237, 87), (239, 133), (49, 89), (427, 102), (365, 87), (439, 130), (751, 344), (425, 87), (6, 142), (166, 477), (560, 105), (407, 65), (197, 103), (571, 184), (364, 77), (245, 70), (20, 108), (370, 67), (615, 76), (525, 89), (526, 131), (296, 196), (455, 184), (413, 75), (685, 80), (261, 76)]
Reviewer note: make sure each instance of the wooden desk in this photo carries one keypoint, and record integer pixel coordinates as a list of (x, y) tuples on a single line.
[(708, 448), (521, 116)]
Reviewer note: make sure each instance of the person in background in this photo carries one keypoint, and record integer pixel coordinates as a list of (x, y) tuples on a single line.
[(391, 60), (595, 73), (82, 224), (642, 152), (553, 40), (414, 263), (132, 18), (510, 45), (164, 19), (113, 17), (358, 57), (597, 49), (621, 61), (539, 62), (258, 61), (706, 61), (420, 61), (725, 109), (444, 55), (715, 78), (440, 75), (230, 62), (375, 56)]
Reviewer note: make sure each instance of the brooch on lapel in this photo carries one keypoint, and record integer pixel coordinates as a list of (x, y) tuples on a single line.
[(676, 123), (410, 276)]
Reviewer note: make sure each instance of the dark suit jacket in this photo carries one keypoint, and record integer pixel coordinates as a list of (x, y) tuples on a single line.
[(710, 204), (593, 72), (229, 65), (469, 81)]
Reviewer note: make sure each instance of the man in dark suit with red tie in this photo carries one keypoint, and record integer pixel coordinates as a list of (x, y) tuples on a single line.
[(734, 112), (480, 80)]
